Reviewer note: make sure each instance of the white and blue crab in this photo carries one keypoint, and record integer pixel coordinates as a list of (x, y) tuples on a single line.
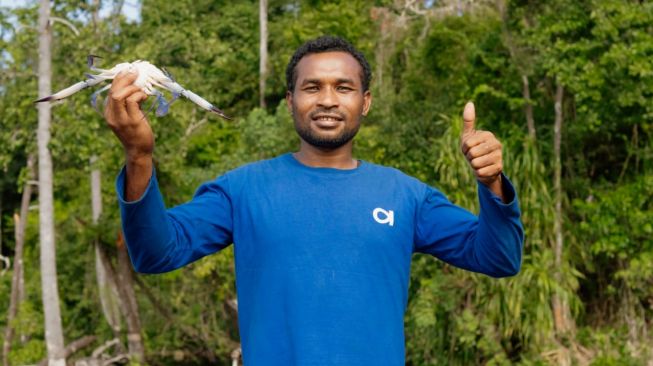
[(149, 78)]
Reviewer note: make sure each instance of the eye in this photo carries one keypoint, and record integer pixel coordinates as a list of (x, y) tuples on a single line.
[(311, 88), (344, 88)]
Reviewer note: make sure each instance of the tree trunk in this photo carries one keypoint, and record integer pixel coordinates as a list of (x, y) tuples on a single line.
[(95, 12), (517, 58), (5, 262), (53, 329), (105, 276), (263, 49), (17, 280), (2, 257), (129, 304), (528, 107), (561, 313)]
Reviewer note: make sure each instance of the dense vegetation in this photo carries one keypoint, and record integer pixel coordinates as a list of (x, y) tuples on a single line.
[(585, 292)]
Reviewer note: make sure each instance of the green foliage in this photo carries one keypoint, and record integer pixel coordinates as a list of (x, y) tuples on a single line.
[(427, 63)]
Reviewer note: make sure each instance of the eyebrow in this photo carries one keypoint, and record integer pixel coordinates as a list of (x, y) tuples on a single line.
[(318, 81), (345, 81)]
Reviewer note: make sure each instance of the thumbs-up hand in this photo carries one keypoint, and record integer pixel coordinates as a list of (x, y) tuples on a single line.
[(483, 152)]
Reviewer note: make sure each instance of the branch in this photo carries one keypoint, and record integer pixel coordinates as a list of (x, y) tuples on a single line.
[(193, 126), (235, 356), (100, 350), (113, 360), (64, 22), (73, 347), (7, 263)]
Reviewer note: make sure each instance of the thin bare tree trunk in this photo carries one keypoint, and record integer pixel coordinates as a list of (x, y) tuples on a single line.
[(105, 276), (561, 312), (53, 329), (517, 58), (17, 280), (5, 262), (263, 49), (129, 303), (117, 8), (2, 257), (109, 298), (95, 13), (528, 108)]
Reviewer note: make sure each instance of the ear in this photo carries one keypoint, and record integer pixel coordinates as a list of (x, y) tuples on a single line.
[(289, 101), (367, 102)]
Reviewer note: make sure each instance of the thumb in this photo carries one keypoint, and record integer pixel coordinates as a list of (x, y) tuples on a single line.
[(469, 118)]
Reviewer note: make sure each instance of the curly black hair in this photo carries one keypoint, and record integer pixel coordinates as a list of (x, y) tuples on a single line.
[(326, 44)]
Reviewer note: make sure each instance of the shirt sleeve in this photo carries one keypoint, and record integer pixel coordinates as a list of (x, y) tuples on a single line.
[(490, 243), (160, 240)]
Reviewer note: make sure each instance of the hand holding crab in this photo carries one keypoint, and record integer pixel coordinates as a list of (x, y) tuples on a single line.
[(132, 83), (125, 117), (149, 77)]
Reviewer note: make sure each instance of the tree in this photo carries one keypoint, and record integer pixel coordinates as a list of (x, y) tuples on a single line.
[(53, 329), (17, 281), (263, 49)]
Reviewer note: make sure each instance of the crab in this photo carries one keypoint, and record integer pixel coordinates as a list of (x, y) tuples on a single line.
[(149, 77)]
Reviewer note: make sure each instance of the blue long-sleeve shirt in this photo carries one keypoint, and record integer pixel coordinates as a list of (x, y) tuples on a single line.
[(322, 255)]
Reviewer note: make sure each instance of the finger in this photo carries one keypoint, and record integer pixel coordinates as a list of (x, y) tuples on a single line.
[(123, 79), (114, 112), (133, 103), (120, 95), (482, 149), (489, 171), (486, 160), (115, 109), (476, 138), (469, 118)]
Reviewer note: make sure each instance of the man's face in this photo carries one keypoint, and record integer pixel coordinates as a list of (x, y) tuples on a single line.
[(328, 101)]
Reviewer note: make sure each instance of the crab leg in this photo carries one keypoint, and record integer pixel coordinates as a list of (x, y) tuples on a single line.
[(162, 104), (72, 89), (95, 95), (177, 89)]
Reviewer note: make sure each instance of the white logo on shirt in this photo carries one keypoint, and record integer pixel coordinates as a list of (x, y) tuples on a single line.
[(389, 216)]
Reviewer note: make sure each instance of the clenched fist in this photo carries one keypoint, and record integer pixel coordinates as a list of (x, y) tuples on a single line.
[(124, 115), (483, 152)]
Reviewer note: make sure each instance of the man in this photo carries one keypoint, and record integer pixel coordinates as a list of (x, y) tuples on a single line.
[(323, 242)]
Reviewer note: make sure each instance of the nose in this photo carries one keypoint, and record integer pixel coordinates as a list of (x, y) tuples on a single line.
[(328, 98)]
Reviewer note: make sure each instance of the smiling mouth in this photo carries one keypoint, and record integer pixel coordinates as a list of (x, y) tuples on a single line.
[(327, 118), (327, 122)]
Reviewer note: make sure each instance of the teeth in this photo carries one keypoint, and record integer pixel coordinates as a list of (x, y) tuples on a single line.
[(326, 119)]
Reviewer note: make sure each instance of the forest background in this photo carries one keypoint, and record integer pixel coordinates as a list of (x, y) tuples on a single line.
[(567, 85)]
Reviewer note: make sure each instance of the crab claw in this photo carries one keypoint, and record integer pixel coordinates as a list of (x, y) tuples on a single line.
[(204, 103), (46, 99), (177, 90), (90, 60), (220, 113)]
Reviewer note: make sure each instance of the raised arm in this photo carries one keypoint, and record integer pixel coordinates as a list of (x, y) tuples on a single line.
[(160, 240), (490, 243)]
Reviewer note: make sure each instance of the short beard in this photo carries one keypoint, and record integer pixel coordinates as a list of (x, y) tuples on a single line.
[(313, 139)]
